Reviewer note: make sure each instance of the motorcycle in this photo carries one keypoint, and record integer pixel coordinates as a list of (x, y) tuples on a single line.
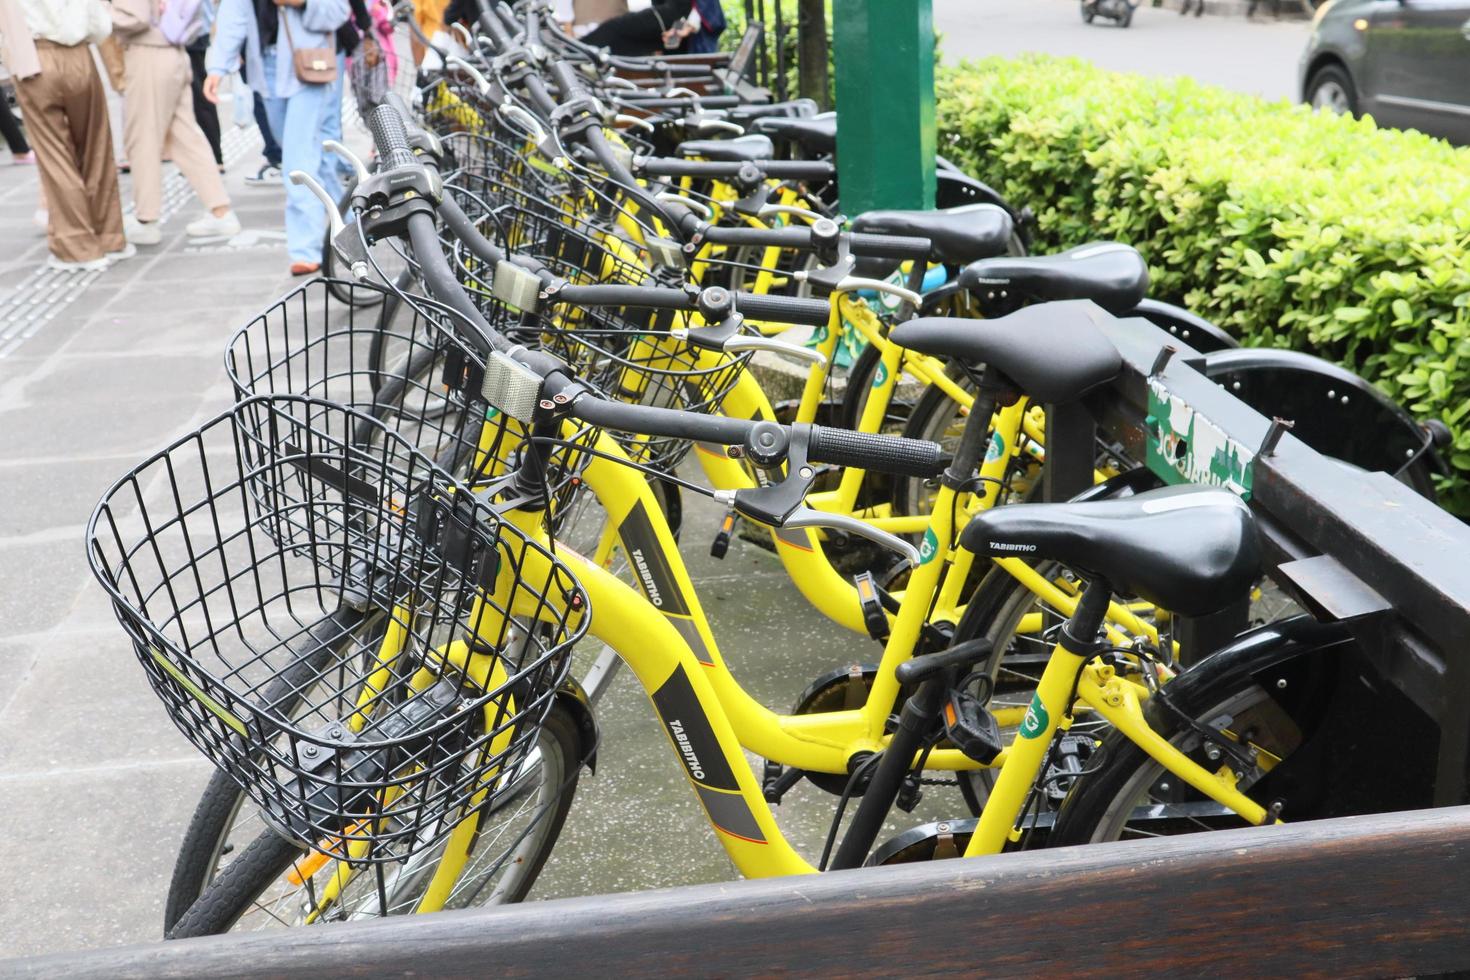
[(1118, 11)]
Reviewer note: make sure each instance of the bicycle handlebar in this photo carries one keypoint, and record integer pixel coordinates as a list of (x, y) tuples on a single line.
[(780, 309), (880, 453)]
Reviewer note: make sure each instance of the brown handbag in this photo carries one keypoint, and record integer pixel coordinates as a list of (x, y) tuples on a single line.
[(314, 66)]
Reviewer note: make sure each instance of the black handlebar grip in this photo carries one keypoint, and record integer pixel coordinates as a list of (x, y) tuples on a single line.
[(889, 246), (880, 454), (784, 309), (797, 169), (777, 237), (649, 297), (567, 82), (390, 137)]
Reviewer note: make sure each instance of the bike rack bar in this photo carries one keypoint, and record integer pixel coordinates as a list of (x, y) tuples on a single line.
[(1379, 896)]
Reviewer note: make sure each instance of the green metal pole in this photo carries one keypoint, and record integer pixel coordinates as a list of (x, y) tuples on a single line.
[(884, 61)]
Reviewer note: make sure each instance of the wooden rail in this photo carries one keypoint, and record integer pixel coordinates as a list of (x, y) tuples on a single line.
[(1382, 895)]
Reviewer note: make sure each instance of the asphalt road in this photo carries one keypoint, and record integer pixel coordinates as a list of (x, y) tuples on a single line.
[(1259, 57)]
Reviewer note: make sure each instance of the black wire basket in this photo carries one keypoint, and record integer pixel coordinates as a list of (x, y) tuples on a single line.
[(401, 361), (360, 641)]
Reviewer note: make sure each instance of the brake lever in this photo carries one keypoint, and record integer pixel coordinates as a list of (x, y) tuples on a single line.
[(737, 344), (467, 40), (455, 61), (628, 120), (335, 223), (769, 209), (807, 517), (668, 197), (336, 227), (852, 284), (720, 124), (357, 165)]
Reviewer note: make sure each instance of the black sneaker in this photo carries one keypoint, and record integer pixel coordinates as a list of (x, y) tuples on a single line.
[(269, 173)]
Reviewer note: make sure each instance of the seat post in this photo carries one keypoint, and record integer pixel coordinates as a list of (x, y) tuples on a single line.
[(975, 438), (1080, 631)]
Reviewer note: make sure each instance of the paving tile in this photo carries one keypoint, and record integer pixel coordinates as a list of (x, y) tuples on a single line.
[(39, 582), (89, 854), (96, 676), (36, 497)]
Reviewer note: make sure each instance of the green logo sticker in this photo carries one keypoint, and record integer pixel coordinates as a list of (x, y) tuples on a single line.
[(1036, 720), (821, 333), (929, 548), (880, 376), (997, 448)]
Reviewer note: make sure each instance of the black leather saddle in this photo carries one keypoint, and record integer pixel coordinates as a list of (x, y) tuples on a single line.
[(1189, 549), (736, 150), (1052, 352), (816, 136), (958, 235), (1111, 274), (745, 115)]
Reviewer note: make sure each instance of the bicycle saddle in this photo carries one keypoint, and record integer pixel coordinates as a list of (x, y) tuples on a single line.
[(744, 115), (1111, 274), (816, 136), (1189, 549), (958, 235), (736, 150), (1052, 352)]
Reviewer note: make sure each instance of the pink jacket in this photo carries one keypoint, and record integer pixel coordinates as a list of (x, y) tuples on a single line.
[(17, 47), (136, 22)]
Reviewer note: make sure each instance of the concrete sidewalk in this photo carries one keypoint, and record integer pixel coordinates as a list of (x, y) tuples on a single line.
[(96, 370)]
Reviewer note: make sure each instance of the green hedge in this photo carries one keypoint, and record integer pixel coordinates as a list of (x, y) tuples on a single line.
[(1288, 228)]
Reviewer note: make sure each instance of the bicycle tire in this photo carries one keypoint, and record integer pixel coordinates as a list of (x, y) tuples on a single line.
[(1236, 684), (268, 858), (207, 835)]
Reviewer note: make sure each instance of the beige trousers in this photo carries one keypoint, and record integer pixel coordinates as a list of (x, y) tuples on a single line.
[(65, 111), (159, 122)]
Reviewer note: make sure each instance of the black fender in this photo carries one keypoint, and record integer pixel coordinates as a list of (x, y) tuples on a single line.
[(571, 697), (1335, 412), (1194, 330), (953, 188)]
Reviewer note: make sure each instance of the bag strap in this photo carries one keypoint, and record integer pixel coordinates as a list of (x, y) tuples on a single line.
[(286, 23)]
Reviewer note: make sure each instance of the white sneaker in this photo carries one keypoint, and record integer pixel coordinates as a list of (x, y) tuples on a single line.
[(126, 252), (211, 227), (61, 265), (141, 233)]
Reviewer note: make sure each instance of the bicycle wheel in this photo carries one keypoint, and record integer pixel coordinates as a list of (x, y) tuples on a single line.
[(223, 823), (273, 883), (1313, 712)]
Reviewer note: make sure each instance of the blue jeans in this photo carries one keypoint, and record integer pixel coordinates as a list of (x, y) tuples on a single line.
[(296, 123), (332, 119)]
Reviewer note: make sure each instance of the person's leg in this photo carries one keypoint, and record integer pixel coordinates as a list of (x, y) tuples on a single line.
[(145, 125), (206, 113), (43, 102), (10, 129), (93, 137), (333, 167), (185, 141), (299, 134), (267, 132)]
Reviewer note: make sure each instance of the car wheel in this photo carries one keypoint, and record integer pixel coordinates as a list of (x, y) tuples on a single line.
[(1331, 90)]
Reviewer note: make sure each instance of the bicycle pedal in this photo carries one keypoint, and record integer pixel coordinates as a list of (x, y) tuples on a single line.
[(721, 543), (971, 727), (871, 599)]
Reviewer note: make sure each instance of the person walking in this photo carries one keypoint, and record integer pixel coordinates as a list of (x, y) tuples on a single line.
[(205, 113), (44, 45), (271, 34), (159, 120), (20, 150)]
